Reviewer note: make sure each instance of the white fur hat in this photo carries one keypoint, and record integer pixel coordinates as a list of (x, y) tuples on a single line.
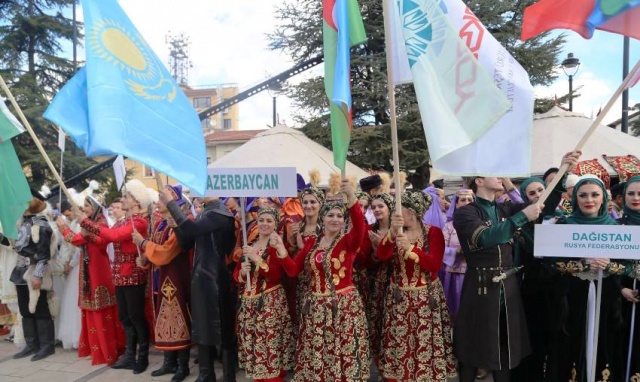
[(572, 180), (138, 190), (154, 195)]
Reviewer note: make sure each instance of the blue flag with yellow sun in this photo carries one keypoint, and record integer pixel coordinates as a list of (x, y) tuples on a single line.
[(124, 101)]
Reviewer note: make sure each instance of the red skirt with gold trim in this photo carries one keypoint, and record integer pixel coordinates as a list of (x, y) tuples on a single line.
[(265, 335), (417, 344), (101, 336), (333, 343)]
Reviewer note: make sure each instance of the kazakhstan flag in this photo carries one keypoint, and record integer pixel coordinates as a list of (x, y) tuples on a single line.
[(125, 102)]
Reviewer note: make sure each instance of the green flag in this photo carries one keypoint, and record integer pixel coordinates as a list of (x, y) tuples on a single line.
[(14, 189), (9, 125)]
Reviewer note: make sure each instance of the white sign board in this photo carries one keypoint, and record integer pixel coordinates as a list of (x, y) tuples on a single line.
[(587, 241), (252, 181), (61, 139)]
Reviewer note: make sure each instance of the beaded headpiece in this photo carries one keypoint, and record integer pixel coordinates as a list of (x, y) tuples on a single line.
[(313, 191), (417, 202), (271, 211)]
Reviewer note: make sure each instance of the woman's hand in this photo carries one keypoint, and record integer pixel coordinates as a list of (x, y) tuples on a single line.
[(275, 241), (571, 159), (630, 294), (402, 241), (137, 238), (245, 268), (375, 238), (141, 261), (347, 189), (397, 223), (598, 264), (250, 254)]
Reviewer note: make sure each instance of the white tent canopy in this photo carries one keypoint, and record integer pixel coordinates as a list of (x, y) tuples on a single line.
[(558, 131), (282, 146)]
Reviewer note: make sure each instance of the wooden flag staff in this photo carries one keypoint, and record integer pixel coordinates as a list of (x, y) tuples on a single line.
[(392, 106), (589, 133), (26, 124)]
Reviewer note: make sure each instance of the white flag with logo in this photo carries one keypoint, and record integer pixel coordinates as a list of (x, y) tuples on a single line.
[(503, 147), (457, 98)]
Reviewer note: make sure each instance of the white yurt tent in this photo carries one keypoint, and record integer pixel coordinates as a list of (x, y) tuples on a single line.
[(558, 131), (283, 146)]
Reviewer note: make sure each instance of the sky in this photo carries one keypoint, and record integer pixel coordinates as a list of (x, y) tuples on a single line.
[(229, 44)]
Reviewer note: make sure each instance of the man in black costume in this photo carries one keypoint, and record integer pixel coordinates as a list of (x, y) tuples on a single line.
[(212, 236)]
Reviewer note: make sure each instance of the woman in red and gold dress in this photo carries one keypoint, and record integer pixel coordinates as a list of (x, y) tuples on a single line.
[(265, 334), (101, 335), (379, 272), (308, 229), (417, 343), (332, 338)]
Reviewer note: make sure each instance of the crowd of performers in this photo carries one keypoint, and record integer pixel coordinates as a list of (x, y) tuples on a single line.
[(334, 285)]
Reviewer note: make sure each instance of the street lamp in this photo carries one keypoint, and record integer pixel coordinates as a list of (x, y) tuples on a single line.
[(570, 66), (273, 91)]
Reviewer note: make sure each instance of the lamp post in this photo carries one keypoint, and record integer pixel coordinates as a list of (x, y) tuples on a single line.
[(273, 91), (570, 66)]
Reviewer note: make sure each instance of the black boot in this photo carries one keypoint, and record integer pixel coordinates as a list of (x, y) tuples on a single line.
[(228, 366), (30, 330), (169, 364), (142, 362), (128, 359), (46, 337), (205, 364), (183, 366)]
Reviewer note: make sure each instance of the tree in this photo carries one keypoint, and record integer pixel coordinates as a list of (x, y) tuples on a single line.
[(32, 34), (299, 34)]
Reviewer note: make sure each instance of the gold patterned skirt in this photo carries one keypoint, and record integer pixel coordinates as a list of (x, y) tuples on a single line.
[(417, 344), (333, 343), (265, 334)]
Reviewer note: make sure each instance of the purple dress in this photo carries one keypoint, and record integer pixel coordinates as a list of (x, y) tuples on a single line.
[(454, 269)]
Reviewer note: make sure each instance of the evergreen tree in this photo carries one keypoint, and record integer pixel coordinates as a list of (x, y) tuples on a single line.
[(299, 34), (32, 36)]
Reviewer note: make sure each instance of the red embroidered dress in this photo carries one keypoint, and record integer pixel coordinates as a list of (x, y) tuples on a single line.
[(265, 333), (332, 338), (416, 342), (101, 335)]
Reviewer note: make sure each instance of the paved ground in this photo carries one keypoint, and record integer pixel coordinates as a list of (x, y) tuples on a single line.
[(65, 366)]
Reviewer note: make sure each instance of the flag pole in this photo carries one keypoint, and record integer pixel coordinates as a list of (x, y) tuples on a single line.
[(589, 133), (243, 219), (596, 329), (631, 330), (392, 105), (27, 125)]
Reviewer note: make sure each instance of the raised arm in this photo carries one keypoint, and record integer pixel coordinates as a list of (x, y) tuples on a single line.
[(470, 226), (114, 235), (189, 229)]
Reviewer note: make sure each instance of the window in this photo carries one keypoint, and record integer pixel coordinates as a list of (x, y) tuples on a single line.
[(208, 161), (226, 111), (227, 124), (147, 172), (206, 123), (201, 102)]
